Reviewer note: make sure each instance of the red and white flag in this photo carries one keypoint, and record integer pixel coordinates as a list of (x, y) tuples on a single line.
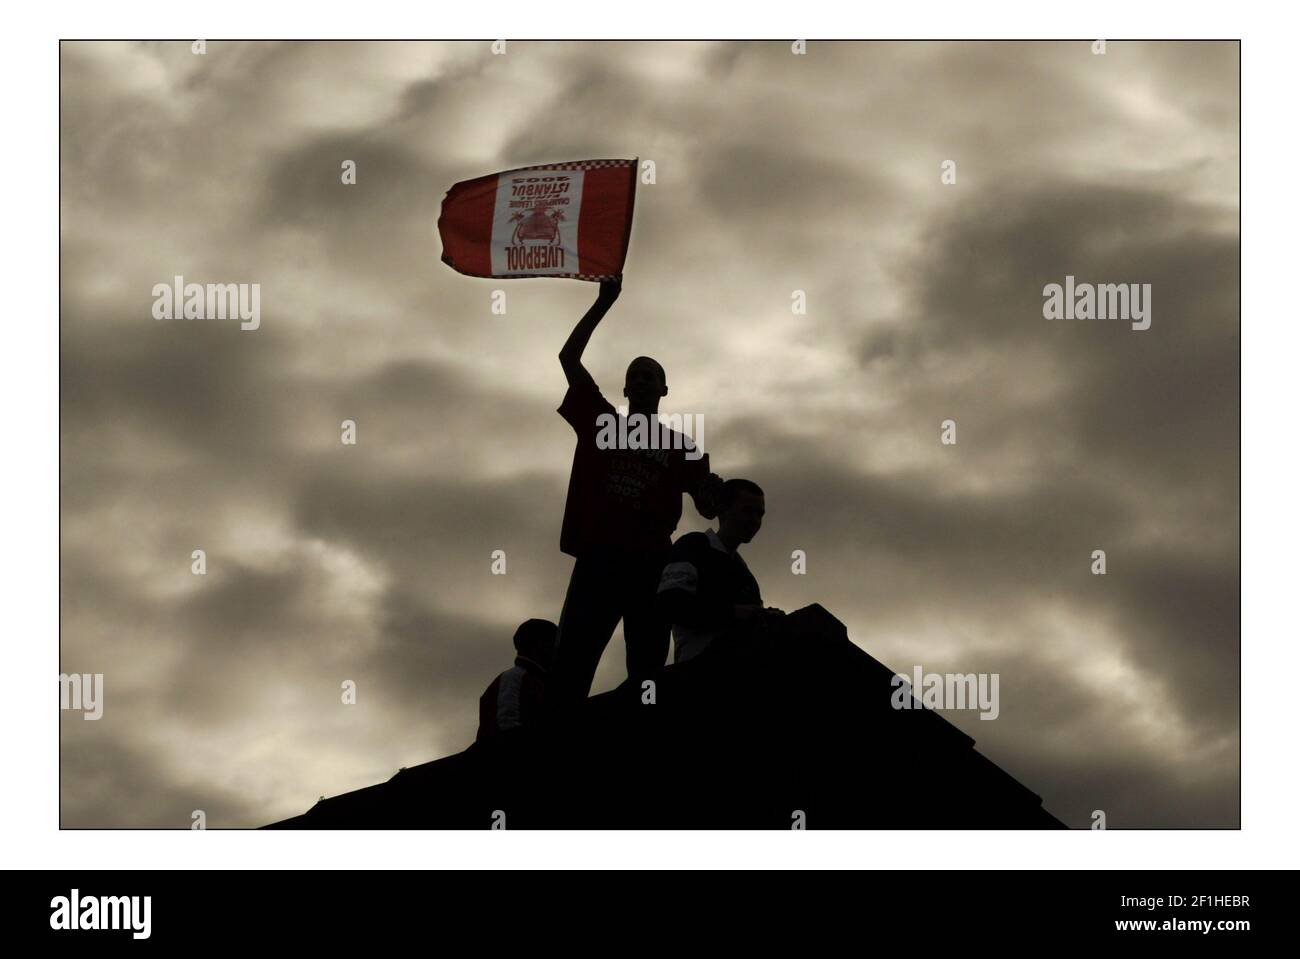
[(558, 219)]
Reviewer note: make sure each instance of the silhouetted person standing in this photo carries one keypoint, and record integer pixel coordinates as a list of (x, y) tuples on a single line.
[(622, 507), (706, 591), (515, 698)]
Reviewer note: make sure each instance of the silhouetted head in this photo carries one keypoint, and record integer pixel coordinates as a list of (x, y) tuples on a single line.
[(645, 384), (740, 512), (535, 639)]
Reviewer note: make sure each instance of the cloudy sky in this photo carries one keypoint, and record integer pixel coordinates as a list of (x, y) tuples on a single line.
[(775, 173)]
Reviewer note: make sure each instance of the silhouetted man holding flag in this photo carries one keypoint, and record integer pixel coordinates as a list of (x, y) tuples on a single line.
[(622, 507)]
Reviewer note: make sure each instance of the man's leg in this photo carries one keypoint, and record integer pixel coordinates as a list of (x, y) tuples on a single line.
[(645, 632), (591, 611)]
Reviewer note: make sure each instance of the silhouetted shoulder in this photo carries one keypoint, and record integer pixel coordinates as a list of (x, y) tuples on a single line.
[(690, 543), (582, 403)]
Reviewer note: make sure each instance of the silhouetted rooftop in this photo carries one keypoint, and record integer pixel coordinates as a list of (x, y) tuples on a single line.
[(742, 739)]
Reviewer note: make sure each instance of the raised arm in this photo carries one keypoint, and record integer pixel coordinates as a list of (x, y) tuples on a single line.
[(571, 354)]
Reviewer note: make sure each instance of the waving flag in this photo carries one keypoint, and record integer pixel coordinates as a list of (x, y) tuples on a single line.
[(560, 219)]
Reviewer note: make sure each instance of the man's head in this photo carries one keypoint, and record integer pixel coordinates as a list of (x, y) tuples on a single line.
[(740, 512), (535, 639), (645, 384)]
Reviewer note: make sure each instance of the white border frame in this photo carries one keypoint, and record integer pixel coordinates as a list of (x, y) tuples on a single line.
[(29, 720)]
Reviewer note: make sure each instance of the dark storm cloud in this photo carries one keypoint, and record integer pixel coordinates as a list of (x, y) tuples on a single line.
[(602, 103), (430, 661), (107, 784), (371, 563), (785, 194), (981, 552), (381, 225), (421, 514), (201, 385), (1174, 388)]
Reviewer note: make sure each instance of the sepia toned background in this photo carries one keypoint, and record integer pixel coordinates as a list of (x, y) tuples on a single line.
[(774, 173)]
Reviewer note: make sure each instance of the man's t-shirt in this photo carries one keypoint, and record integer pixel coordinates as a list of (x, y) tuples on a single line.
[(701, 585), (511, 700), (628, 499)]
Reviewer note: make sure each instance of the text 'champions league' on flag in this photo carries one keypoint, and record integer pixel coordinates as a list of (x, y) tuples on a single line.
[(560, 219)]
